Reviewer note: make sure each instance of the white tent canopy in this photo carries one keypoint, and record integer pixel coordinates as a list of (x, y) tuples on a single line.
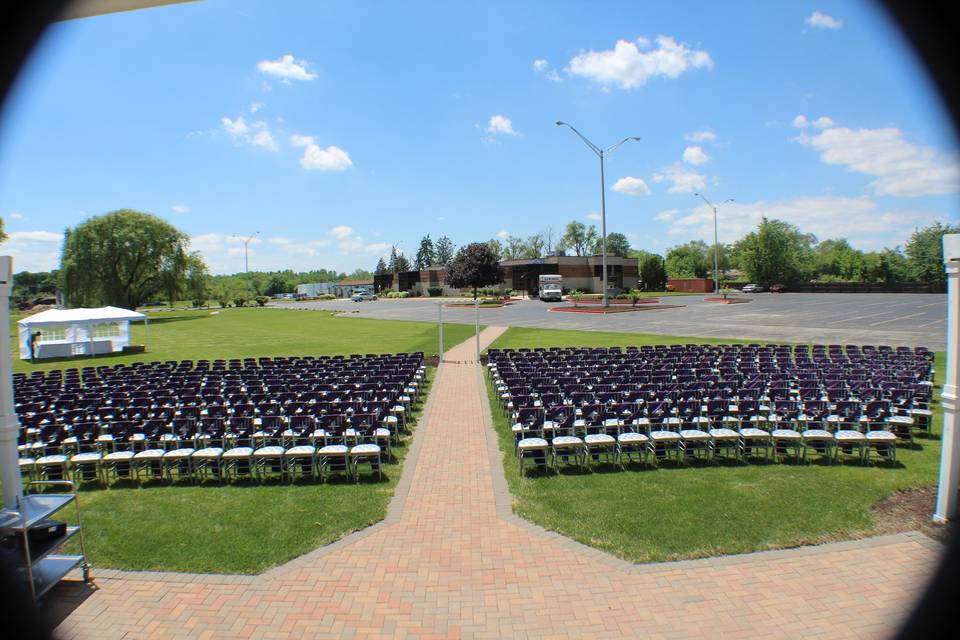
[(72, 332)]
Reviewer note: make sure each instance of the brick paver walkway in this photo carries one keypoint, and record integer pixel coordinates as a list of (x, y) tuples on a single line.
[(452, 561)]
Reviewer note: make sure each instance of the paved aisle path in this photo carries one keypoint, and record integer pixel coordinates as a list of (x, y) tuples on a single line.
[(451, 561)]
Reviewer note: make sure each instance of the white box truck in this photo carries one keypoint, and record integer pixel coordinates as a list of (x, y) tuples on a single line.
[(551, 287)]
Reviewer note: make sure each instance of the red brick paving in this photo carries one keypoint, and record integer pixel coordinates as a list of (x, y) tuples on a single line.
[(451, 561)]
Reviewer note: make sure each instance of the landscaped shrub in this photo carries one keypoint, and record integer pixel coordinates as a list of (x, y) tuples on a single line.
[(326, 296), (239, 302), (262, 301), (224, 302), (199, 303), (434, 292)]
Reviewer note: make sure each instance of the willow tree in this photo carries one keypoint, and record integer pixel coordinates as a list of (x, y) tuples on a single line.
[(122, 258)]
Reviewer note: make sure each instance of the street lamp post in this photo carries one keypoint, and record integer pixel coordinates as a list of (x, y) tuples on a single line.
[(716, 243), (601, 153), (246, 258)]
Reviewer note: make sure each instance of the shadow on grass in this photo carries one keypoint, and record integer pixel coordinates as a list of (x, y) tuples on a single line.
[(167, 319)]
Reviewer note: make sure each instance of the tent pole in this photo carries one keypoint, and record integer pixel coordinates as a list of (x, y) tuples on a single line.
[(146, 326)]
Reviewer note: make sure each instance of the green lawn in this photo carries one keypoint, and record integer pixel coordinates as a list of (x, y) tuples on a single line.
[(254, 332), (705, 510), (245, 528), (241, 528)]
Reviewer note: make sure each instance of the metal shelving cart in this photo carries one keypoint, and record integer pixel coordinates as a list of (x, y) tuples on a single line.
[(39, 563)]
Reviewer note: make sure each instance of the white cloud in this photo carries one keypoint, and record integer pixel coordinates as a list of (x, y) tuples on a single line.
[(500, 124), (341, 232), (540, 64), (180, 208), (594, 216), (256, 106), (695, 156), (800, 121), (819, 20), (631, 186), (860, 220), (256, 133), (703, 135), (901, 168), (264, 138), (33, 250), (681, 179), (630, 64), (17, 216), (332, 158), (503, 234), (667, 215), (286, 68), (236, 128), (297, 140)]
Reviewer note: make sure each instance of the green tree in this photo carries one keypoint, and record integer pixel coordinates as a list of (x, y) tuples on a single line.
[(776, 252), (119, 258), (277, 284), (893, 266), (443, 251), (28, 286), (198, 278), (3, 232), (513, 248), (381, 267), (653, 273), (617, 244), (173, 275), (534, 246), (690, 260), (578, 237), (924, 252), (838, 259), (426, 255), (496, 247), (475, 266)]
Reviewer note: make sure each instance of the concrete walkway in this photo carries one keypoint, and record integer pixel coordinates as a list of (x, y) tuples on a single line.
[(452, 561)]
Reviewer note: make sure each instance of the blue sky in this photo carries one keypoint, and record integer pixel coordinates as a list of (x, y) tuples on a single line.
[(336, 129)]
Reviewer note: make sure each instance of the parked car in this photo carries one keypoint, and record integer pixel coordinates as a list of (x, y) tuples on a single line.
[(751, 288), (360, 296), (776, 288)]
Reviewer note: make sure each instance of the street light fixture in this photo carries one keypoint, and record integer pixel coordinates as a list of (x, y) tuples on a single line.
[(716, 244), (601, 153), (246, 258)]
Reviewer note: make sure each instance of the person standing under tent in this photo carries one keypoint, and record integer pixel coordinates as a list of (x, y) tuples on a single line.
[(34, 339)]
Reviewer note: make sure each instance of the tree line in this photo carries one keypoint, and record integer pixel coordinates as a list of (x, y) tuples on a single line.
[(777, 251)]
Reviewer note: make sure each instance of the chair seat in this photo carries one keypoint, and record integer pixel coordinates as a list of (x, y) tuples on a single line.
[(333, 450), (529, 444), (846, 435), (208, 452), (87, 457), (599, 438), (149, 454), (900, 420), (816, 434), (657, 436), (785, 434), (118, 455), (875, 436), (694, 434), (319, 433), (299, 451), (238, 452), (612, 422), (750, 432), (381, 432), (723, 434), (364, 450), (54, 459), (138, 437), (186, 452), (26, 462), (567, 441), (632, 438), (268, 452)]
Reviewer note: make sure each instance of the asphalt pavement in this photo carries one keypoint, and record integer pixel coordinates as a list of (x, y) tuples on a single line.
[(827, 318)]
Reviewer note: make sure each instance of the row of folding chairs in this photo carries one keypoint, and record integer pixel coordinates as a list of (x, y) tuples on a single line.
[(616, 443), (197, 465)]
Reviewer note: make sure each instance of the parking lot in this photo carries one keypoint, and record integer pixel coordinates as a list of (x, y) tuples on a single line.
[(884, 318)]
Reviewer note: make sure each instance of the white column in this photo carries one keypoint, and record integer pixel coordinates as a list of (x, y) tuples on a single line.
[(9, 425), (950, 450)]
